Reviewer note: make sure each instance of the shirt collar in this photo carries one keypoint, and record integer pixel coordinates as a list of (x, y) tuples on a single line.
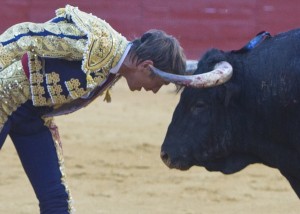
[(115, 69)]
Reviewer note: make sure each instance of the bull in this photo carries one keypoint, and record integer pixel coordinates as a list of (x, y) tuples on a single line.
[(239, 108)]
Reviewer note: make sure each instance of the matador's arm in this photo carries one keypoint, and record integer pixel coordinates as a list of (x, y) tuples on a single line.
[(50, 39)]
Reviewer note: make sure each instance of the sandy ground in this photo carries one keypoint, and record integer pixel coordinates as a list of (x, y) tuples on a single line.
[(113, 166)]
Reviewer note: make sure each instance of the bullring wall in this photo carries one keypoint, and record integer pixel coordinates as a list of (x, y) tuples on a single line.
[(198, 24)]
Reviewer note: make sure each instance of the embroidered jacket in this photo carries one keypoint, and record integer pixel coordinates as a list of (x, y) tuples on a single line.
[(72, 35)]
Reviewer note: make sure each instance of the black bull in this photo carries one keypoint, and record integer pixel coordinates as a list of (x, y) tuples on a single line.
[(252, 118)]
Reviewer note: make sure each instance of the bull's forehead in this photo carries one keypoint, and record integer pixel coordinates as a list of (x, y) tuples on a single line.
[(190, 95)]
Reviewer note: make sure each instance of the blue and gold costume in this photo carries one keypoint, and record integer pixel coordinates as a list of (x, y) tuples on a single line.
[(65, 65), (72, 35)]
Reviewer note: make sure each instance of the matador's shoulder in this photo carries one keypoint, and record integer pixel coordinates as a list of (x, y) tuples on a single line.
[(71, 35), (105, 46)]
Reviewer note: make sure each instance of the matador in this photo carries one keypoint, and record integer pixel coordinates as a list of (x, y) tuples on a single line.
[(57, 67)]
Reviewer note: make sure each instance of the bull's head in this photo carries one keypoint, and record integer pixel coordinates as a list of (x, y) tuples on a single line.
[(201, 132)]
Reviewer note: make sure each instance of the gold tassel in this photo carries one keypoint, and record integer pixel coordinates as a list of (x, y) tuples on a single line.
[(90, 83), (107, 97)]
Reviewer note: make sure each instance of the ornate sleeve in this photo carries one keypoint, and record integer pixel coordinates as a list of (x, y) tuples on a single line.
[(54, 40)]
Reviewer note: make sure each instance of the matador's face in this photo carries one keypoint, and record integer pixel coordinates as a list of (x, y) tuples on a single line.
[(140, 76)]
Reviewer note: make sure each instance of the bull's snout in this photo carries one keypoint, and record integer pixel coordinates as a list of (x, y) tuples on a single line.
[(165, 158), (177, 163)]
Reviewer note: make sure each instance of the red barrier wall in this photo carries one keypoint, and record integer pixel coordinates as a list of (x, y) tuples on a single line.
[(198, 24)]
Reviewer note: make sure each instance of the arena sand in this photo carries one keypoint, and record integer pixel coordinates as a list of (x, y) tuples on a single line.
[(113, 167)]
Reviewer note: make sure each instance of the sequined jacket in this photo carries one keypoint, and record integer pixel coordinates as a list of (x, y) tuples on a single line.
[(72, 35)]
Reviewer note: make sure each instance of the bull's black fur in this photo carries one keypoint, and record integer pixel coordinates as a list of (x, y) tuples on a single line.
[(253, 118)]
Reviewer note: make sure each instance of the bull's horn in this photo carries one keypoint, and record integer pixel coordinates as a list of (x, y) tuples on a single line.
[(222, 73)]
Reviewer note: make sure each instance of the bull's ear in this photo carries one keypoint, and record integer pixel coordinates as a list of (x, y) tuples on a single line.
[(232, 92), (210, 59)]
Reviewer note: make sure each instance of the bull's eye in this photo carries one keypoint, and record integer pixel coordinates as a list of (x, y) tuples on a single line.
[(198, 107)]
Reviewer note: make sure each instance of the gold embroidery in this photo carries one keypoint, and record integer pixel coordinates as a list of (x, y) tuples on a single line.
[(49, 122), (53, 85), (36, 81), (105, 46), (52, 78), (35, 76), (50, 46), (90, 81), (100, 52), (35, 28), (39, 100), (14, 90), (74, 90), (37, 90), (55, 89), (99, 77)]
